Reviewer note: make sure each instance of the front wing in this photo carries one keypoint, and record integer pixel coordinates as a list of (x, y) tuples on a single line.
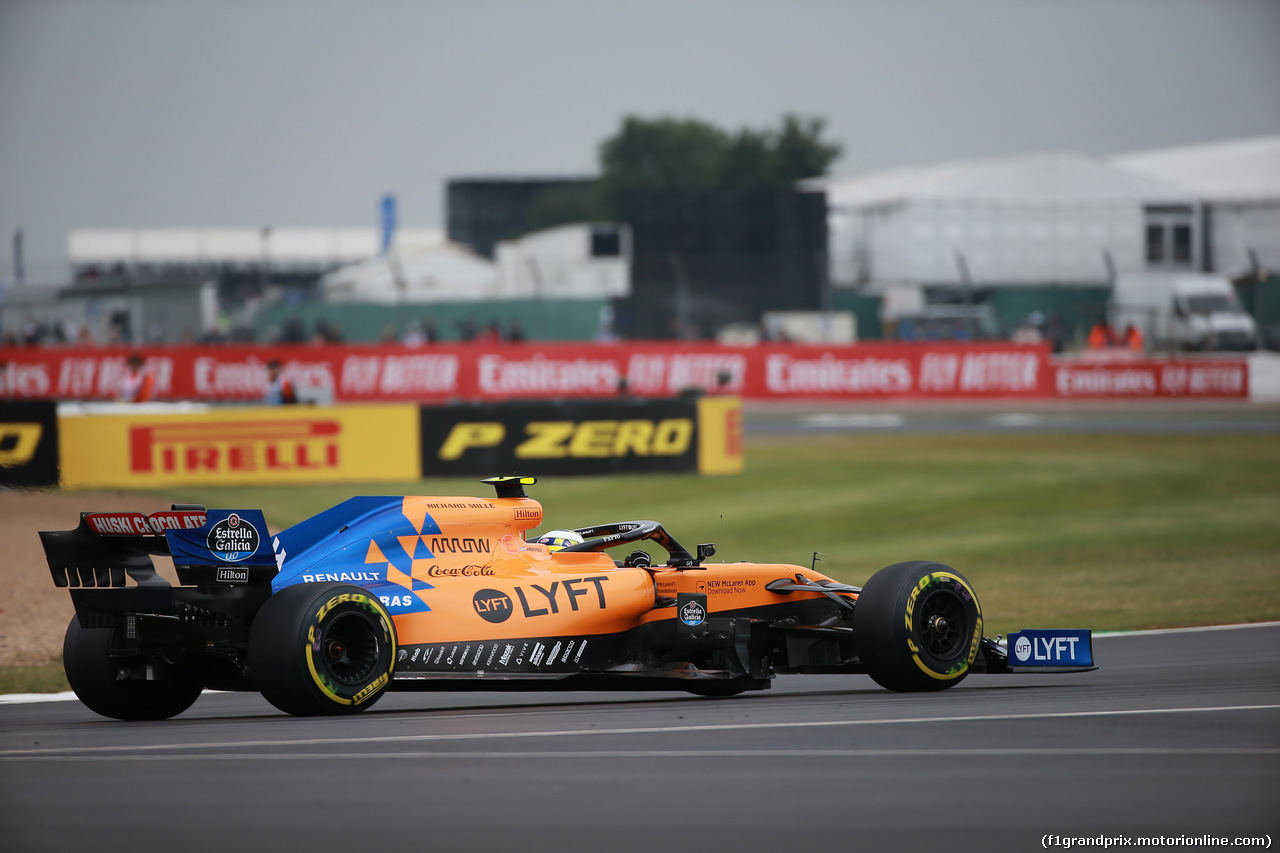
[(1038, 650)]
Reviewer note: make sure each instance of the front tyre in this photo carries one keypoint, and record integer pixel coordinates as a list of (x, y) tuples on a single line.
[(322, 649), (114, 684), (917, 626)]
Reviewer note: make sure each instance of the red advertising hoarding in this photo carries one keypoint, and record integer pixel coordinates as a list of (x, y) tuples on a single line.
[(1153, 378), (362, 373)]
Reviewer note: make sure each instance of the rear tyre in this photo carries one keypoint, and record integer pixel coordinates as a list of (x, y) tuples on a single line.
[(322, 649), (917, 626), (120, 687)]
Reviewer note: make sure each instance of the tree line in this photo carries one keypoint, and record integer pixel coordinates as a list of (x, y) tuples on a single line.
[(687, 154)]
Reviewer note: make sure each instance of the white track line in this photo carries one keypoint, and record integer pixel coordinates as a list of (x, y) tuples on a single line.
[(1196, 630), (1014, 752), (713, 727), (66, 696), (33, 698)]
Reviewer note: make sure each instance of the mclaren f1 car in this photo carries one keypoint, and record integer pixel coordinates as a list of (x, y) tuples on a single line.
[(450, 593)]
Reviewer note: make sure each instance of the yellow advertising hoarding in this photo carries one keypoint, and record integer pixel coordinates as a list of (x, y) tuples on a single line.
[(248, 445), (719, 435)]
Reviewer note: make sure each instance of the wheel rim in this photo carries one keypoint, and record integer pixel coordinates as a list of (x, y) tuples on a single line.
[(944, 624), (350, 647)]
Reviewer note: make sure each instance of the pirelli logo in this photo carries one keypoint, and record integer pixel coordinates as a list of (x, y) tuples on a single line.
[(235, 446)]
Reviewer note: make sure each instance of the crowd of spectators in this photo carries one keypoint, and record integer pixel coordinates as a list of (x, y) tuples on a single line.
[(1103, 337)]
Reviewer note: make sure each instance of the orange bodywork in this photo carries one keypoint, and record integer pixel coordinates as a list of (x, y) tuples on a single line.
[(486, 582)]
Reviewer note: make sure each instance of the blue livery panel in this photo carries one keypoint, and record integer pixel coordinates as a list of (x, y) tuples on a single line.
[(230, 537), (367, 541), (1051, 648)]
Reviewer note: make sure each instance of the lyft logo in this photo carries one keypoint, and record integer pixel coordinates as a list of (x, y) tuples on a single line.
[(1051, 648)]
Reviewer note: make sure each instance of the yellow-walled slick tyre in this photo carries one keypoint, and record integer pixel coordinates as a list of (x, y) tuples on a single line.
[(122, 687), (917, 626), (322, 649)]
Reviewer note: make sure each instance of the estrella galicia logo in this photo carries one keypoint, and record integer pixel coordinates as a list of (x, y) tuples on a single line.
[(492, 605), (233, 539), (693, 613)]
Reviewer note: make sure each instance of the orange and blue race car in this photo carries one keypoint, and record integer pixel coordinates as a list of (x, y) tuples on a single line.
[(450, 593)]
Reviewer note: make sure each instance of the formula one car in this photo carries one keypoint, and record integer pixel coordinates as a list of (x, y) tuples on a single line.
[(447, 593)]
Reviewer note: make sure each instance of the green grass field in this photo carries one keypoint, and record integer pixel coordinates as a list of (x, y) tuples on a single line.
[(1100, 531)]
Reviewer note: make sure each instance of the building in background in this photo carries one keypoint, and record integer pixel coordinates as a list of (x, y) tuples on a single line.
[(709, 259), (1042, 232), (699, 260), (555, 284), (1050, 234), (963, 249), (167, 285), (1237, 183), (483, 212)]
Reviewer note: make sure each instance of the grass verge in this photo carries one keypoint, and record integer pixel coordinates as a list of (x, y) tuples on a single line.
[(33, 678)]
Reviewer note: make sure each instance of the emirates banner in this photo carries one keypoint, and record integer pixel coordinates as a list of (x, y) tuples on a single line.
[(376, 373), (1154, 378)]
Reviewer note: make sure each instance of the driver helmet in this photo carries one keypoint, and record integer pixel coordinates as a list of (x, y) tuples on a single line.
[(557, 539)]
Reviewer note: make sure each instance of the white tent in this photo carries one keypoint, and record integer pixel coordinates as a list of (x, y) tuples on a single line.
[(448, 272), (1237, 171), (1239, 183), (311, 248), (556, 263), (1045, 218)]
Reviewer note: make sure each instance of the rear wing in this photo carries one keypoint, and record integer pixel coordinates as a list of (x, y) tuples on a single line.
[(209, 547)]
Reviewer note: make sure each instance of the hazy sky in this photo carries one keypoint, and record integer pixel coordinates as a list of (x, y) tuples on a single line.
[(149, 113)]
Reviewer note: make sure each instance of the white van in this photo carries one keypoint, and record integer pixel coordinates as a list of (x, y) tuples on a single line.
[(1190, 311), (1207, 315)]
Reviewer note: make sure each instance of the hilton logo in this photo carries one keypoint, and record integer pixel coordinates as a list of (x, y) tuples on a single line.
[(233, 575)]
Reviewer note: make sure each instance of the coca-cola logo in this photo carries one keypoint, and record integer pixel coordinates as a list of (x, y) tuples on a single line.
[(460, 571)]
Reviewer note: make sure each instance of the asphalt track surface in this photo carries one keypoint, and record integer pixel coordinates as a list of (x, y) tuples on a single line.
[(1177, 734)]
